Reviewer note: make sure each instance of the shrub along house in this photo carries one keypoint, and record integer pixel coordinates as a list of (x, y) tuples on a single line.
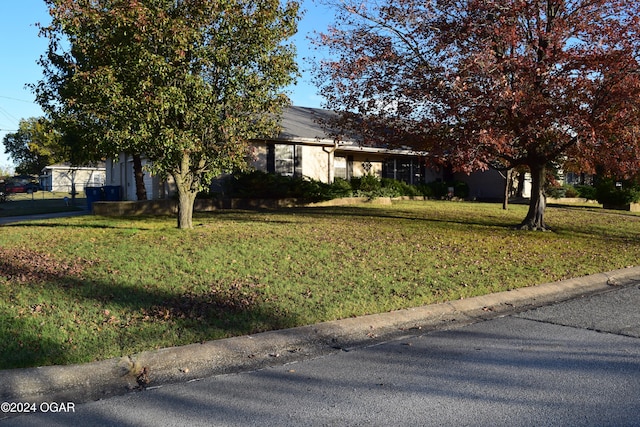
[(305, 149)]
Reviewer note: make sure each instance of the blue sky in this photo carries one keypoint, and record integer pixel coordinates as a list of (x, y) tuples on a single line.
[(21, 47)]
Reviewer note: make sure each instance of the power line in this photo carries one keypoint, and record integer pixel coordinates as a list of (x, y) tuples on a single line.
[(8, 115), (17, 99)]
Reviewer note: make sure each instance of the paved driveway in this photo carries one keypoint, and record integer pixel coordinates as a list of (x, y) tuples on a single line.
[(16, 219)]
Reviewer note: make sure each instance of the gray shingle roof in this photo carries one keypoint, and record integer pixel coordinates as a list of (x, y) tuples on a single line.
[(303, 124)]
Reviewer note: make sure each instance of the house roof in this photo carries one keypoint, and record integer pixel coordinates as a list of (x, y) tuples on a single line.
[(67, 166), (305, 125)]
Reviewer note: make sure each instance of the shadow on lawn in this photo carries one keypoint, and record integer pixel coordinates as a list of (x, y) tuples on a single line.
[(120, 316), (585, 230), (355, 212), (31, 223), (488, 222)]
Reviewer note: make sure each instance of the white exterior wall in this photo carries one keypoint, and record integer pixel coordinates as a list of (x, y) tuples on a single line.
[(65, 179), (259, 154), (373, 168), (120, 173), (317, 164)]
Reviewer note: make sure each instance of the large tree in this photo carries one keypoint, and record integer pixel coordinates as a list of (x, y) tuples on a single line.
[(499, 84), (185, 83), (34, 146)]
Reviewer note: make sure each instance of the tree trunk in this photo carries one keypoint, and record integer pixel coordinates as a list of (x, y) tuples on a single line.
[(187, 192), (186, 199), (141, 190), (537, 204), (520, 189), (507, 187)]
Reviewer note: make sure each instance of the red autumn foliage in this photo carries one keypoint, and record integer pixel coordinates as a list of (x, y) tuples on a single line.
[(492, 83)]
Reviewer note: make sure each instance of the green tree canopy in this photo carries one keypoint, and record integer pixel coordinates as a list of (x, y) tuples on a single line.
[(34, 146), (185, 83)]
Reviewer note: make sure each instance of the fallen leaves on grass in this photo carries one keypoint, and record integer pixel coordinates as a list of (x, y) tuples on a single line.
[(220, 298), (25, 265)]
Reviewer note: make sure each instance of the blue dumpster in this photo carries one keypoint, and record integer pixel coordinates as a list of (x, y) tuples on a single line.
[(112, 193), (94, 194)]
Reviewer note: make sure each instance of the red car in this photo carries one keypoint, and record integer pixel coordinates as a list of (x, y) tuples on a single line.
[(16, 188), (20, 187)]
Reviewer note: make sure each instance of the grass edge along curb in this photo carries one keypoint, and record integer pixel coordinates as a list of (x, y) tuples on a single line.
[(92, 381)]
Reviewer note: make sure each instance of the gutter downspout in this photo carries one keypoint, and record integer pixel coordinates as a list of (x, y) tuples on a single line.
[(329, 152)]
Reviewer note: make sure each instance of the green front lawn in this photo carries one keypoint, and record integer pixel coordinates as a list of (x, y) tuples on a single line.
[(87, 288), (40, 202)]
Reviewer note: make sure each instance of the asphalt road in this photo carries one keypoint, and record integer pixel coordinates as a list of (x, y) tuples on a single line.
[(575, 363), (23, 218)]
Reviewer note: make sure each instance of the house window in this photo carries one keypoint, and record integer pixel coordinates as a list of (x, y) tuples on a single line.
[(573, 178), (284, 159), (405, 169), (343, 167), (340, 167)]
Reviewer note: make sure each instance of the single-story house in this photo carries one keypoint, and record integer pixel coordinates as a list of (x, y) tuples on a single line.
[(120, 173), (304, 148), (66, 178)]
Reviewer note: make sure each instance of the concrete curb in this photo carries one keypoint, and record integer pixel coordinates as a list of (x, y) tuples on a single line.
[(92, 381)]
